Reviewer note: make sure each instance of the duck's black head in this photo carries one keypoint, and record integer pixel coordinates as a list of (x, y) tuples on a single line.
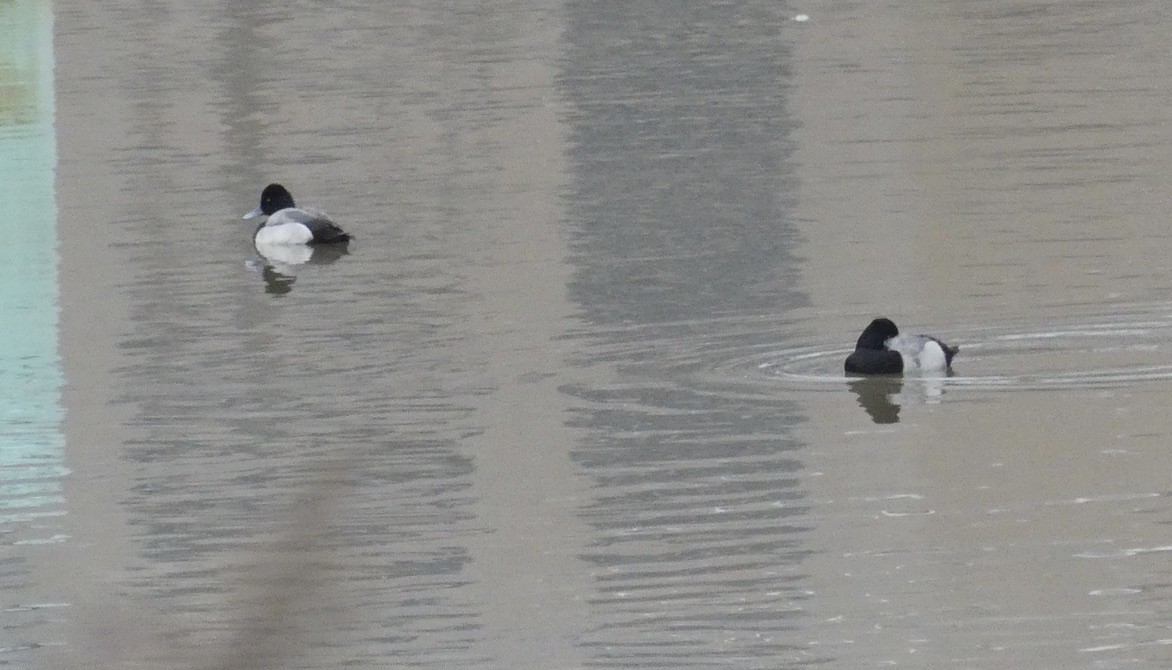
[(275, 198), (870, 356), (874, 335)]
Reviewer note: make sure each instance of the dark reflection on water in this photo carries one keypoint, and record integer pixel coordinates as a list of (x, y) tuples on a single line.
[(875, 396), (680, 175), (276, 282), (680, 145)]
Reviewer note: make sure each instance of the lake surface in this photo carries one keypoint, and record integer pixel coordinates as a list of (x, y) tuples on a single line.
[(574, 396)]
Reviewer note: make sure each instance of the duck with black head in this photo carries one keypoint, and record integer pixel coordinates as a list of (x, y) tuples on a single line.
[(289, 224), (881, 350)]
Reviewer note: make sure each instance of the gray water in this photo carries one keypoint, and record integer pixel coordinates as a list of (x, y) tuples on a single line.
[(573, 398)]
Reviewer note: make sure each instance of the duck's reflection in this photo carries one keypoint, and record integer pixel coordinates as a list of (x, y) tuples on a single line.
[(882, 395), (278, 264), (876, 396), (276, 282)]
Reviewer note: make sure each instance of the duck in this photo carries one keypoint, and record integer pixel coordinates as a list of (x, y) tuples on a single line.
[(881, 350), (288, 224)]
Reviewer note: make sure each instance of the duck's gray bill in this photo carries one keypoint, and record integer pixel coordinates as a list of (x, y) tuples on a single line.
[(254, 213)]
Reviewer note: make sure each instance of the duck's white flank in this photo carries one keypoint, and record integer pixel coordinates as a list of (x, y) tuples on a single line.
[(285, 255), (932, 357), (283, 233)]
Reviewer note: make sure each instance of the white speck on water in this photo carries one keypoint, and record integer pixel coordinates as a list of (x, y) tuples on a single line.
[(802, 18), (900, 514), (1139, 551), (1116, 647), (1121, 591)]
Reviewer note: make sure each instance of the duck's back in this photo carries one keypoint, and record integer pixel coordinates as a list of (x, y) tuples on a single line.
[(922, 351), (296, 225)]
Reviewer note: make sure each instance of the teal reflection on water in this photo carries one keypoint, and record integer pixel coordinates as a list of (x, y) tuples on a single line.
[(31, 442)]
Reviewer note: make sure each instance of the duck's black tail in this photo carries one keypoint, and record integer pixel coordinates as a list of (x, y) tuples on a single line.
[(949, 352)]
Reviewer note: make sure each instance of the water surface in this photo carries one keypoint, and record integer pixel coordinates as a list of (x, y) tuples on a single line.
[(573, 398)]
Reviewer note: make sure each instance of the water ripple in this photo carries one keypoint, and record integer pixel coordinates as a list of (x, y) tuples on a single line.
[(1104, 353)]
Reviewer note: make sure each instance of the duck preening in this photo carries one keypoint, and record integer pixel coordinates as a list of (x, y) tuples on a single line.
[(881, 350)]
